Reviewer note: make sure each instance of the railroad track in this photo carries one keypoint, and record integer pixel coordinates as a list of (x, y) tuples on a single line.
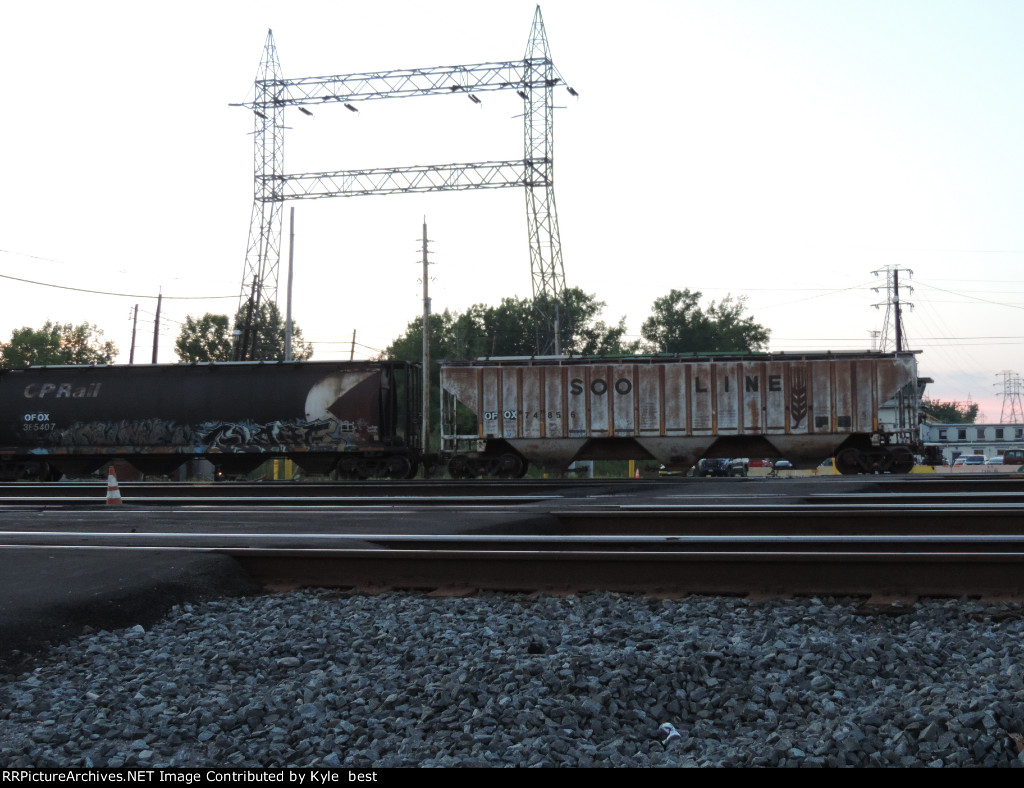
[(924, 547), (450, 492)]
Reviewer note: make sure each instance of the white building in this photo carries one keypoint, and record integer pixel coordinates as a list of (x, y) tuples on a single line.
[(990, 440)]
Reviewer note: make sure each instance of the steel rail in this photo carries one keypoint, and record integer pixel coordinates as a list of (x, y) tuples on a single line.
[(99, 499), (499, 538), (313, 540), (545, 555), (675, 573), (687, 488)]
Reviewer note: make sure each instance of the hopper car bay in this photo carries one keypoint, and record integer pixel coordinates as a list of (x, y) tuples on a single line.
[(362, 419)]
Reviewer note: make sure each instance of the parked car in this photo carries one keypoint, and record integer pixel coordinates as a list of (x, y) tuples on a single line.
[(969, 459), (723, 466), (827, 467), (1013, 457), (994, 461)]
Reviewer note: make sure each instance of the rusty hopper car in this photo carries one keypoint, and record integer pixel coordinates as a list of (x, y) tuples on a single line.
[(500, 414), (356, 418)]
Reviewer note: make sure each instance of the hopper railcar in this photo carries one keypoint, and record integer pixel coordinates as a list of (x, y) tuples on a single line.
[(358, 419), (498, 415)]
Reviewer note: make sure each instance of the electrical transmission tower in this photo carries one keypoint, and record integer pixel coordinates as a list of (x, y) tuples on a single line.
[(892, 326), (1012, 411), (533, 78), (263, 253)]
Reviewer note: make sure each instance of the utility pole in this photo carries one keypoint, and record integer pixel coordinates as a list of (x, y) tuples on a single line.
[(893, 307), (135, 323), (288, 308), (156, 325), (352, 352), (249, 329), (425, 432)]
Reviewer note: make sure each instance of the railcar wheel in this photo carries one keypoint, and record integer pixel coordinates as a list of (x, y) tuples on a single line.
[(458, 467), (351, 469), (398, 467), (510, 466), (881, 460), (49, 474), (902, 460), (849, 461)]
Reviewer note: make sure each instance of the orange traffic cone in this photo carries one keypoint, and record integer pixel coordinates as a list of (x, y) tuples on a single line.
[(113, 494), (637, 475)]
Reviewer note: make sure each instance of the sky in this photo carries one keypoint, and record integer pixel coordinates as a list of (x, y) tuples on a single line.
[(775, 150)]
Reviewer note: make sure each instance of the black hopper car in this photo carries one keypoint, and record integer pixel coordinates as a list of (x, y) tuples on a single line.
[(356, 419)]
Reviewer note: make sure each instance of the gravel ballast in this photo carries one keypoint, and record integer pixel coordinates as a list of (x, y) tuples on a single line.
[(328, 679)]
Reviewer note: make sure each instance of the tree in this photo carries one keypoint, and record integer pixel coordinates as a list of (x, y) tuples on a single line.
[(57, 343), (510, 329), (205, 339), (948, 412), (678, 325), (582, 333), (208, 338)]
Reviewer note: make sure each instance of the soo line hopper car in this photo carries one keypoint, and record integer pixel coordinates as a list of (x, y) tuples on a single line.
[(500, 414), (357, 419)]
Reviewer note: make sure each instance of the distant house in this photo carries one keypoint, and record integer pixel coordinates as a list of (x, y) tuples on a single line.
[(990, 440)]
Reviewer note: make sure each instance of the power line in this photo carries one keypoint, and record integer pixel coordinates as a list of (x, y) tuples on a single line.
[(973, 298), (821, 295), (105, 292)]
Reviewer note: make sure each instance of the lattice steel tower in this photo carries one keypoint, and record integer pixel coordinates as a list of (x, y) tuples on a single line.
[(892, 326), (533, 78), (1012, 411), (263, 253)]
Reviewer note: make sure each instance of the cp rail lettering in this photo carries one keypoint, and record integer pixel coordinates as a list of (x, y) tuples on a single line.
[(61, 390)]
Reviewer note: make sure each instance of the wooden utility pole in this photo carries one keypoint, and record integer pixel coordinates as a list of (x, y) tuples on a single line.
[(288, 308), (135, 324), (250, 330), (425, 437), (156, 326)]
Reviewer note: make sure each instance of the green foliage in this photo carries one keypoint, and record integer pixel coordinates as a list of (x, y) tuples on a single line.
[(678, 325), (582, 333), (509, 329), (208, 338), (270, 335), (57, 343), (948, 412), (205, 339)]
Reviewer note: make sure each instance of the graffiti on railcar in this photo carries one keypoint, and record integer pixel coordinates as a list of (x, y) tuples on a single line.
[(248, 436), (218, 436), (141, 432)]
